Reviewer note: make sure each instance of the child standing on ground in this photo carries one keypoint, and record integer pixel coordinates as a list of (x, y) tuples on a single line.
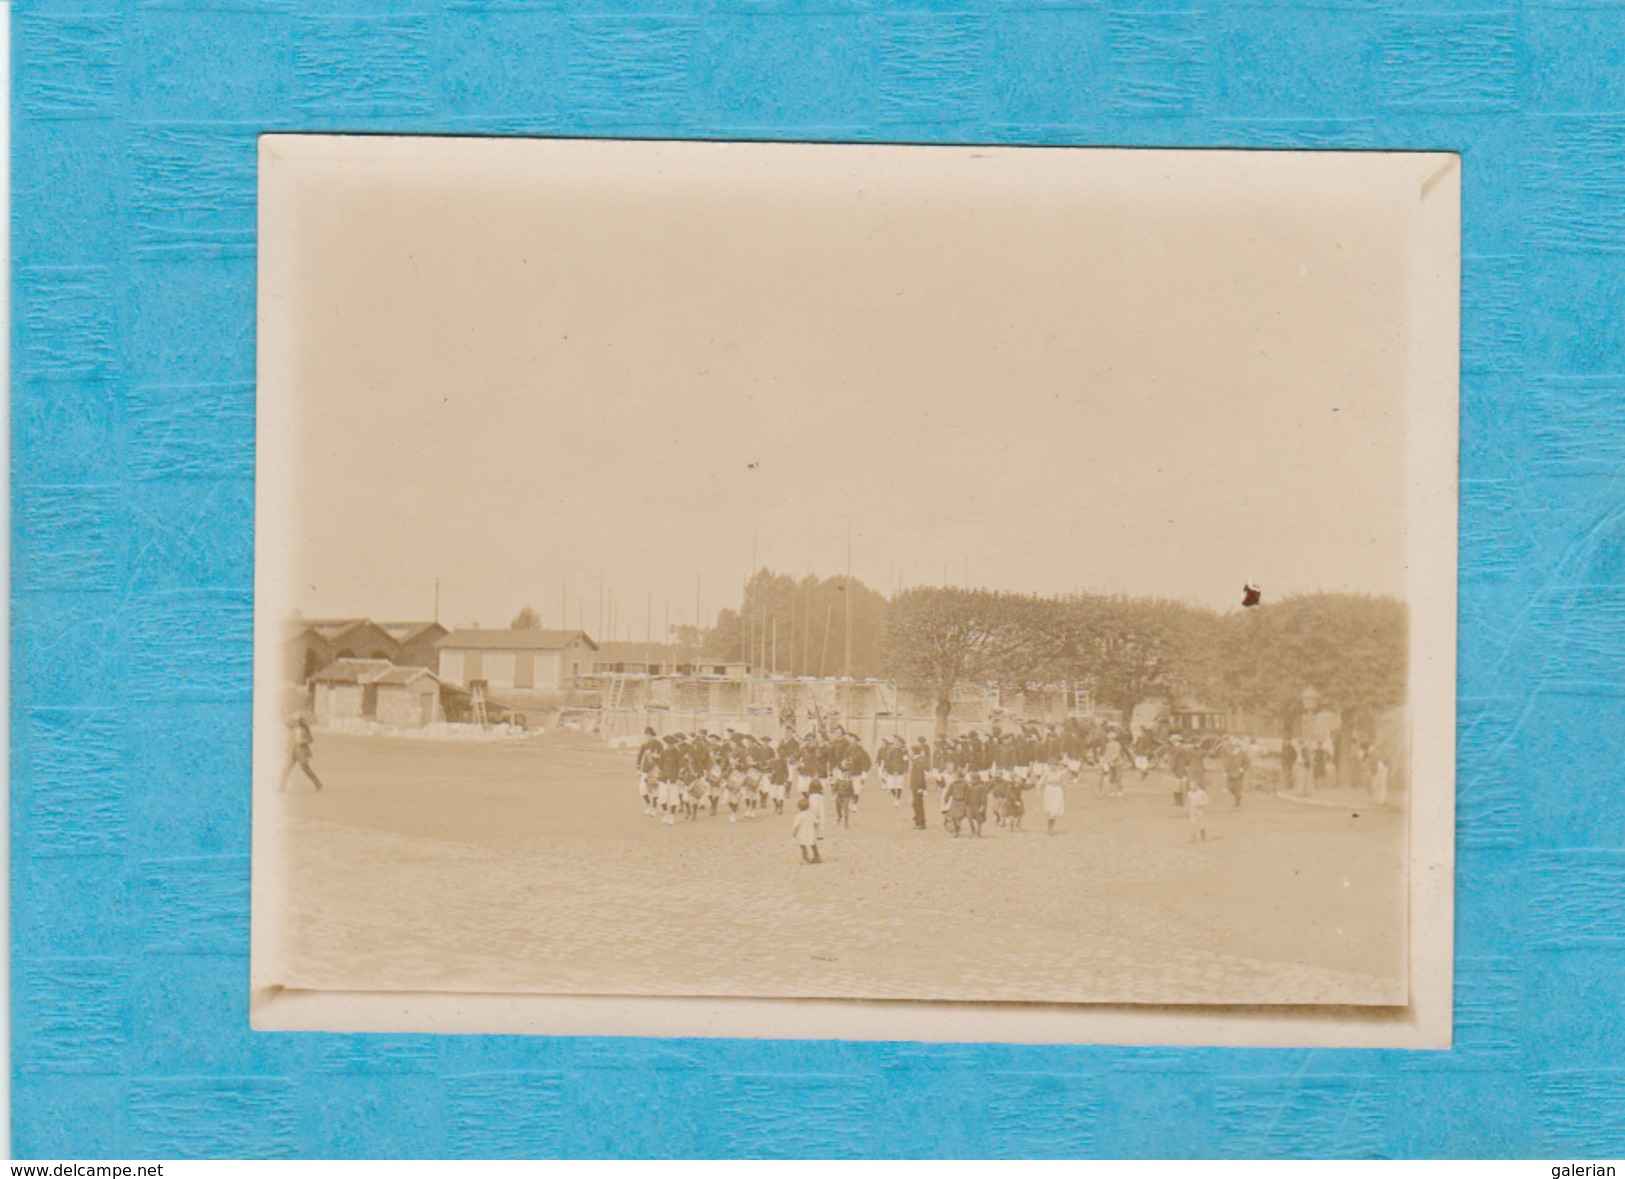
[(1015, 806), (954, 798), (1196, 804), (805, 831), (1054, 796), (814, 798), (845, 799), (778, 782), (976, 804)]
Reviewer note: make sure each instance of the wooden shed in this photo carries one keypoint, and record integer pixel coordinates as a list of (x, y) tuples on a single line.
[(376, 690)]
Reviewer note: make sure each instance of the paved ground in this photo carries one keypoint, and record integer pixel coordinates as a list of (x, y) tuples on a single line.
[(530, 866)]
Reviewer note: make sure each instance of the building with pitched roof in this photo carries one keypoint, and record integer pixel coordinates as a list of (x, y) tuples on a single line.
[(313, 643), (507, 660), (377, 690), (415, 643)]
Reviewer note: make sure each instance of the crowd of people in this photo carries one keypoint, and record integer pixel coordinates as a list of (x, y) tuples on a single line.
[(1308, 767), (965, 781), (687, 775)]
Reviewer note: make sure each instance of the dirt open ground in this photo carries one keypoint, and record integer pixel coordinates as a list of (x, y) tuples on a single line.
[(529, 865)]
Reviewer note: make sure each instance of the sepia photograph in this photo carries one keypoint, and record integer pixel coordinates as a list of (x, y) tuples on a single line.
[(853, 572)]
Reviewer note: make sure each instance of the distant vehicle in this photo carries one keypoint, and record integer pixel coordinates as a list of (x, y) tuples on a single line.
[(1198, 722)]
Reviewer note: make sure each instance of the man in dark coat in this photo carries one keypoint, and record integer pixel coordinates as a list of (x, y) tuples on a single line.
[(854, 767), (1235, 769), (1180, 767), (1289, 759), (918, 763)]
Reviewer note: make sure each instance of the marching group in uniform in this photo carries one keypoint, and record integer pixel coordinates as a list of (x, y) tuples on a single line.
[(976, 776), (967, 780)]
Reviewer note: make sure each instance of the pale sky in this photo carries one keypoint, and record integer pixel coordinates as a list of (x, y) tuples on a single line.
[(520, 365)]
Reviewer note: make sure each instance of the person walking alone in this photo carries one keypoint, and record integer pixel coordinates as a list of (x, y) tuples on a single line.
[(845, 799), (1054, 796), (1196, 801), (805, 832), (814, 797), (1235, 769), (300, 753)]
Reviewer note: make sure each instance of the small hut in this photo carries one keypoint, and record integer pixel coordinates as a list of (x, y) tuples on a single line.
[(376, 690)]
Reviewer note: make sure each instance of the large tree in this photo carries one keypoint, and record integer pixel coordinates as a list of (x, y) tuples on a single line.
[(1125, 649), (1350, 649), (939, 640)]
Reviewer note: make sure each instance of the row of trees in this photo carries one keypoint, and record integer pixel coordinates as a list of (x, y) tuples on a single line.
[(796, 625), (1349, 649), (799, 626)]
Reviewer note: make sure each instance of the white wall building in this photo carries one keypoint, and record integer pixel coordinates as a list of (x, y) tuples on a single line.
[(506, 660)]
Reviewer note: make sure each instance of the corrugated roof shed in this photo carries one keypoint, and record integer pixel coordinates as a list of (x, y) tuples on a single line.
[(328, 629), (352, 671), (481, 639), (404, 675), (370, 671), (407, 632)]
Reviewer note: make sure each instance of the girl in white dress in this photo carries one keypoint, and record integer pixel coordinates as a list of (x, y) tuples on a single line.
[(815, 803), (1054, 796)]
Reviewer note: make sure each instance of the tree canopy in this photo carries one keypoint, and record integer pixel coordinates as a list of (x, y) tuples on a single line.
[(941, 639), (799, 626), (1348, 651)]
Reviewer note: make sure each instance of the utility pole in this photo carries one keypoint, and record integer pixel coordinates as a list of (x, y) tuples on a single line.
[(846, 659), (823, 658), (806, 627), (437, 599)]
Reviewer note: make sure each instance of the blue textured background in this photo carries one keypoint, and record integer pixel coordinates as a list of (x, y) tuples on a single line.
[(134, 141)]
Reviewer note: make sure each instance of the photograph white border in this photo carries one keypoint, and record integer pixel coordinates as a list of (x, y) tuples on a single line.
[(1434, 281)]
